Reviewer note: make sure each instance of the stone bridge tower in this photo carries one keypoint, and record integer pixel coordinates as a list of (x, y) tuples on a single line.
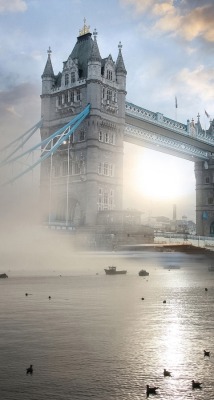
[(85, 175), (204, 173)]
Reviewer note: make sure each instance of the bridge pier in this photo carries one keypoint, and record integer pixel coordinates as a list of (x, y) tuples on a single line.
[(204, 174)]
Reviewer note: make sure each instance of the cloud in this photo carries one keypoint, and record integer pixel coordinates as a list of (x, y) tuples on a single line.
[(188, 20), (12, 6), (200, 81)]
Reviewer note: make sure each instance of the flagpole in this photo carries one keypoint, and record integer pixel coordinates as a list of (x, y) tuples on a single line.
[(176, 106)]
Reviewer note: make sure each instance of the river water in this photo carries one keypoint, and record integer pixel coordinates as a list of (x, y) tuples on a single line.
[(97, 339)]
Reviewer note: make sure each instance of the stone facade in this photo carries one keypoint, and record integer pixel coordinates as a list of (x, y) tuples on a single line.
[(85, 176), (204, 173)]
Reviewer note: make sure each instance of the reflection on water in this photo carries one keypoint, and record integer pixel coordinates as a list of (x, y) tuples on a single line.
[(97, 339)]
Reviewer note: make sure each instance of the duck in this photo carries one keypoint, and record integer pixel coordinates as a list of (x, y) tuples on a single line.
[(196, 385), (29, 370), (49, 297), (166, 373), (151, 390), (206, 353)]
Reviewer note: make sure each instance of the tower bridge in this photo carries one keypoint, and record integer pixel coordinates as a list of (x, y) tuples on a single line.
[(85, 121), (157, 132)]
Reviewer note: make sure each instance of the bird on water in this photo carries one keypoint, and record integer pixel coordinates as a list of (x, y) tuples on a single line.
[(206, 353), (166, 373), (196, 385), (29, 370), (151, 390)]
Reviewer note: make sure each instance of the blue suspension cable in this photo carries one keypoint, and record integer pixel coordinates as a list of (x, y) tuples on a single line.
[(36, 126), (21, 145), (78, 119), (45, 141)]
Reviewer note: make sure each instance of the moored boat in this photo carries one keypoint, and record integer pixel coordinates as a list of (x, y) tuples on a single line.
[(143, 272), (3, 276), (111, 270)]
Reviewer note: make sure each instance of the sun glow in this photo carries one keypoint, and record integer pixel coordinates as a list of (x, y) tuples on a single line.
[(159, 176)]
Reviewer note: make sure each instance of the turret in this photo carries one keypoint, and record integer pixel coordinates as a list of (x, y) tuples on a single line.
[(94, 62), (48, 77), (120, 69)]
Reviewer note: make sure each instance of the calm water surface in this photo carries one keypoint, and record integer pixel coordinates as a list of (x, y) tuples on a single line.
[(96, 337)]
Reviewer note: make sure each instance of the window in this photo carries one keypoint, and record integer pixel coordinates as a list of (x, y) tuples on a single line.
[(78, 95), (99, 168), (72, 96), (82, 135), (109, 95), (101, 136), (109, 75), (110, 170), (72, 77), (60, 100), (76, 168), (106, 137), (105, 169), (66, 97), (66, 79), (112, 138), (105, 199), (210, 200), (207, 179), (103, 93)]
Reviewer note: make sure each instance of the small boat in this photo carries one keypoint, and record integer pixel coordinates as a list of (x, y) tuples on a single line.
[(111, 270), (211, 269), (143, 272), (3, 276)]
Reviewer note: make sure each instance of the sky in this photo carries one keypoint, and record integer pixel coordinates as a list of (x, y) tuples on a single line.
[(168, 52)]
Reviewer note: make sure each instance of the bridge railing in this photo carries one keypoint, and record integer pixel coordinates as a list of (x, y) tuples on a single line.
[(151, 116), (159, 119)]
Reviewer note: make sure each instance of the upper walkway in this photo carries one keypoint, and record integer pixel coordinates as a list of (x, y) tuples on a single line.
[(157, 132)]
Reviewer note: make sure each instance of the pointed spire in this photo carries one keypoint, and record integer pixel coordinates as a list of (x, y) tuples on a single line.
[(48, 71), (120, 66), (95, 53)]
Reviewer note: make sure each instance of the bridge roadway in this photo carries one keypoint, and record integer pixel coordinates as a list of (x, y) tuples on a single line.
[(157, 132)]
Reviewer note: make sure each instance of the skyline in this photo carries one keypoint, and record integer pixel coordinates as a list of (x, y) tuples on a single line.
[(152, 35)]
